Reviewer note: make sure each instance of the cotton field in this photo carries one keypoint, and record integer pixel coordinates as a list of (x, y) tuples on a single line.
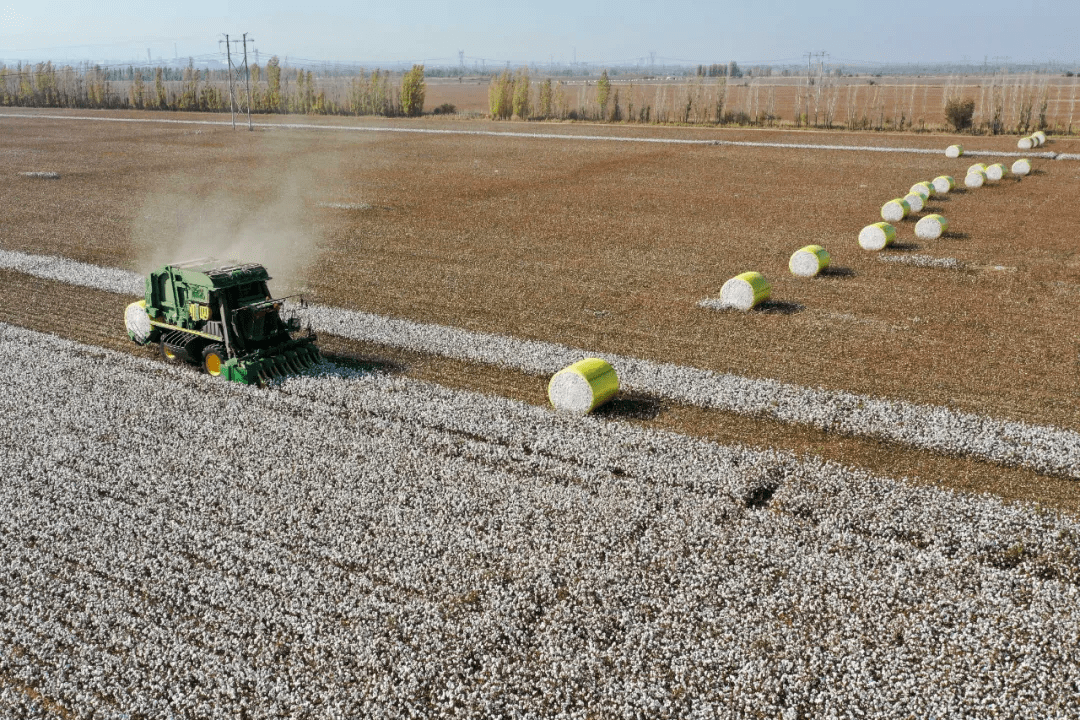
[(349, 545)]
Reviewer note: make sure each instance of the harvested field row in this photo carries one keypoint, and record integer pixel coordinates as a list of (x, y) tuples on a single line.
[(349, 545), (553, 136), (506, 236), (77, 313), (1044, 449)]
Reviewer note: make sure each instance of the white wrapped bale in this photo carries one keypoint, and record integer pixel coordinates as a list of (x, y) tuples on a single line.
[(1040, 136), (895, 210), (975, 179), (584, 386), (931, 227), (915, 201), (877, 236), (808, 261), (1026, 143), (138, 322), (924, 188), (744, 291), (954, 151), (943, 184), (1021, 167), (996, 171)]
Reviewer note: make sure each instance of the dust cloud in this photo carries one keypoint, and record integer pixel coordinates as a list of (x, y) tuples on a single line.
[(234, 211)]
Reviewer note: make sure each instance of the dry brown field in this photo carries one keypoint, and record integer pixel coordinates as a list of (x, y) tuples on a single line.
[(600, 245)]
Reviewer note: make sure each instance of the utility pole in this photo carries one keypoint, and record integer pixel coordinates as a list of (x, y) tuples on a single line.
[(238, 103), (461, 60)]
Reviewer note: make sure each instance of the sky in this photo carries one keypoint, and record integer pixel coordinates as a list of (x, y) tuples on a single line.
[(593, 31)]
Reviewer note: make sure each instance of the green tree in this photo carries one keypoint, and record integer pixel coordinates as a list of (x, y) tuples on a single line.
[(523, 94), (159, 89), (138, 91), (273, 81), (603, 92), (546, 97), (501, 96), (412, 92)]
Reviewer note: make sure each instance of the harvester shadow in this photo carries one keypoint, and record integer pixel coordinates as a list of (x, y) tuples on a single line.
[(837, 272), (779, 307), (629, 405), (365, 364)]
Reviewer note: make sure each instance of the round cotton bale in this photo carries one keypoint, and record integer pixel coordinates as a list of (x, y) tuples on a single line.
[(1026, 143), (895, 210), (980, 167), (954, 151), (915, 201), (744, 291), (944, 183), (996, 171), (1040, 136), (924, 188), (1021, 167), (584, 386), (138, 322), (808, 261), (877, 236), (975, 179), (931, 227)]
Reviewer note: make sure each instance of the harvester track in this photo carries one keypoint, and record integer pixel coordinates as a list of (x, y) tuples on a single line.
[(96, 317)]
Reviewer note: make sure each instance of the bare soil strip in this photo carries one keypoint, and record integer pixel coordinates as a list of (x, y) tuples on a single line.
[(96, 317)]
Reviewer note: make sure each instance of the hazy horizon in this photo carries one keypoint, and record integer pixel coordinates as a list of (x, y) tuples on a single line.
[(561, 32)]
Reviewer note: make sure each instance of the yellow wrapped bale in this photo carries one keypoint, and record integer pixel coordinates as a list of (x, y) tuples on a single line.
[(1021, 167), (944, 183), (931, 227), (996, 171), (981, 167), (877, 236), (808, 261), (915, 201), (745, 291), (975, 178), (954, 151), (895, 210), (584, 386), (925, 188)]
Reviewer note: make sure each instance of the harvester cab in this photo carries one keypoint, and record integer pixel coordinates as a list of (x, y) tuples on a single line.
[(220, 315)]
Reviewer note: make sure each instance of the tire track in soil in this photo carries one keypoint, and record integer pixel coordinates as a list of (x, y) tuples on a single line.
[(96, 317)]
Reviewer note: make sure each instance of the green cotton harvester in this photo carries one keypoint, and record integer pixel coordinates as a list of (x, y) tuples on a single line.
[(220, 315)]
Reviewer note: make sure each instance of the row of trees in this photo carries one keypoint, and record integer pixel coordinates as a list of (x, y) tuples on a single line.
[(1000, 104), (274, 89)]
